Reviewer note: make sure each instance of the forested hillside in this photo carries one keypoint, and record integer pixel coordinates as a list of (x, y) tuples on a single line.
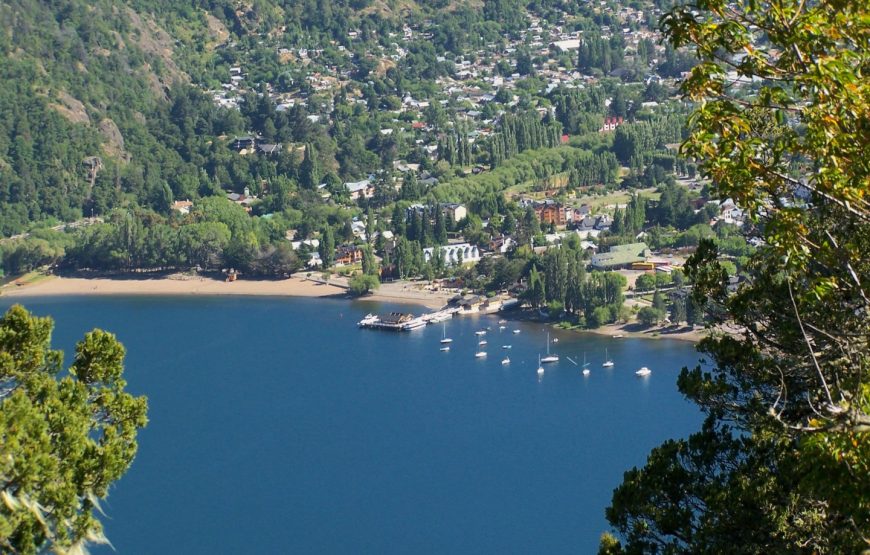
[(111, 79), (217, 135)]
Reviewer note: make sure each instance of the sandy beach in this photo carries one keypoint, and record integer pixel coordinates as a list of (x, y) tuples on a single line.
[(632, 330), (175, 284), (180, 284)]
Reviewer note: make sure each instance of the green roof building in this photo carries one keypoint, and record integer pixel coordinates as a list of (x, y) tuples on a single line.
[(620, 256)]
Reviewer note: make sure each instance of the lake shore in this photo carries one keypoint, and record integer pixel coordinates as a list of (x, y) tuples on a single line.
[(625, 330), (184, 285), (298, 285), (680, 333)]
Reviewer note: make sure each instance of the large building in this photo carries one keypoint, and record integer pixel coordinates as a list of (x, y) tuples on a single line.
[(459, 253), (620, 256)]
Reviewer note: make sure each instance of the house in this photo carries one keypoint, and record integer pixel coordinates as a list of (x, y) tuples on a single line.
[(454, 211), (501, 244), (566, 45), (610, 124), (245, 142), (270, 149), (360, 189), (348, 254), (244, 200), (550, 212), (182, 206), (620, 256)]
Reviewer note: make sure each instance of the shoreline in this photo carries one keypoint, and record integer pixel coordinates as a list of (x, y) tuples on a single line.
[(184, 285), (630, 330)]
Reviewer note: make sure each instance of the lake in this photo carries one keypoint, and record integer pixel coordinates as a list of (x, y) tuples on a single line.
[(277, 426)]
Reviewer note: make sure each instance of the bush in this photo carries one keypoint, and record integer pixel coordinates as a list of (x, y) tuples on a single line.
[(599, 317)]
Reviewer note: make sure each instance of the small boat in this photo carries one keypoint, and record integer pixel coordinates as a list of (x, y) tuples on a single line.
[(445, 348), (618, 336), (540, 368), (480, 354), (585, 365), (549, 357), (516, 331), (480, 332), (555, 340), (607, 362), (644, 371), (505, 361), (507, 346), (368, 320), (482, 342), (502, 321), (444, 338), (501, 328)]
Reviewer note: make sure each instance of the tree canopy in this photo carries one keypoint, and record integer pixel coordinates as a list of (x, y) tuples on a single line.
[(782, 463), (64, 439)]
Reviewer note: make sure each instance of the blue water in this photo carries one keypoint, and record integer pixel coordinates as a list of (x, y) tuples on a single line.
[(276, 426)]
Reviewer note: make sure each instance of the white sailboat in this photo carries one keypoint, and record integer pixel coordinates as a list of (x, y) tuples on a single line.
[(516, 331), (505, 361), (644, 371), (444, 338), (480, 354), (540, 368), (482, 342), (445, 348), (607, 362), (480, 332), (585, 365), (506, 346), (549, 357)]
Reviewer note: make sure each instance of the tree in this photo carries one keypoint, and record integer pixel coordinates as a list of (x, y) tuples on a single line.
[(782, 462), (536, 292), (326, 248), (649, 316), (309, 170), (645, 282), (362, 284), (65, 440)]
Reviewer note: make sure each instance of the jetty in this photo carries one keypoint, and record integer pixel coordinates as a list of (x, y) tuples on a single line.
[(401, 321)]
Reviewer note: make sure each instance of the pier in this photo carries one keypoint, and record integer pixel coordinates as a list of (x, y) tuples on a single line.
[(400, 321)]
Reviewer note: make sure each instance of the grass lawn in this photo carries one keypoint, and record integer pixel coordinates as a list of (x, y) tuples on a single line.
[(26, 279)]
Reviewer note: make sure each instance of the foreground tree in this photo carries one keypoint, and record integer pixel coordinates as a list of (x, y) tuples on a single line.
[(63, 440), (782, 464)]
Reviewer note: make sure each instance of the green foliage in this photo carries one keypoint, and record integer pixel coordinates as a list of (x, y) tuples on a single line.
[(362, 284), (65, 440), (780, 464), (649, 316)]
